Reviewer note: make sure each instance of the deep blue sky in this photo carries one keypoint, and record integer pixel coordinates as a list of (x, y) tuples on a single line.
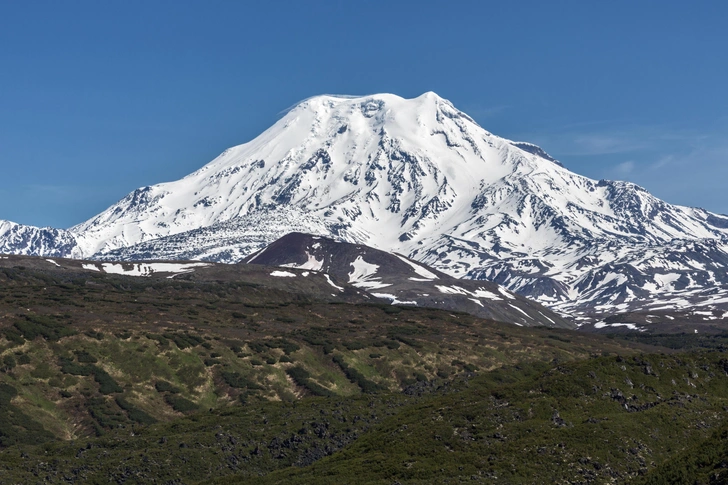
[(99, 98)]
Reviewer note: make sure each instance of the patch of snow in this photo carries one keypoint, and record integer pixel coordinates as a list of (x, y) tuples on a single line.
[(371, 285), (420, 270), (312, 263), (452, 290), (505, 293), (91, 267), (256, 256), (520, 310), (283, 274), (363, 275), (51, 261), (148, 269), (476, 301), (479, 293), (328, 278), (704, 313), (666, 280), (362, 270), (394, 299), (483, 293), (547, 318), (631, 326)]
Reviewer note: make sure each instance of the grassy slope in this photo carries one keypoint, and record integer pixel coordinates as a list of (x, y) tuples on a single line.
[(520, 424), (226, 370), (75, 347), (567, 425)]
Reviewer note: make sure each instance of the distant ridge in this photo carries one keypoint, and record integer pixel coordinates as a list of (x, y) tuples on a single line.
[(402, 281)]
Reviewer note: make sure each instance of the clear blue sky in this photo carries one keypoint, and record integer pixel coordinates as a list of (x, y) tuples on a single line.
[(99, 98)]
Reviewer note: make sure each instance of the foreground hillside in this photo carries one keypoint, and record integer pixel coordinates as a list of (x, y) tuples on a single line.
[(89, 351), (264, 380), (600, 420)]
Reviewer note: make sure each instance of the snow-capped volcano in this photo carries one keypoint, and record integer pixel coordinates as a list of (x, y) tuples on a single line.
[(419, 177), (379, 169)]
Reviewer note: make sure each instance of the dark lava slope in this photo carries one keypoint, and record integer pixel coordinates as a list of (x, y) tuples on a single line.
[(403, 281)]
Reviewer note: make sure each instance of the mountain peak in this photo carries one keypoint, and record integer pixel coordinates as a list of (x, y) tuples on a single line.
[(368, 104)]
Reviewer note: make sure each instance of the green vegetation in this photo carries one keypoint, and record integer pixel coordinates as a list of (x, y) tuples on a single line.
[(301, 377), (239, 381), (110, 379), (181, 404), (357, 377), (49, 328)]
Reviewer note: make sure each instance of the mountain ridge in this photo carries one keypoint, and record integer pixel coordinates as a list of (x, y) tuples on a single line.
[(401, 281)]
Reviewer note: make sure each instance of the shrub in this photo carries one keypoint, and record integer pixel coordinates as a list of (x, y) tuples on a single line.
[(33, 326), (107, 384), (164, 386), (7, 393), (301, 377), (68, 366), (287, 346), (257, 347), (14, 336), (105, 414), (391, 309), (355, 345), (163, 341), (391, 344), (238, 381), (134, 413), (184, 340), (180, 404), (8, 363), (357, 377), (94, 335), (85, 357), (408, 341)]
